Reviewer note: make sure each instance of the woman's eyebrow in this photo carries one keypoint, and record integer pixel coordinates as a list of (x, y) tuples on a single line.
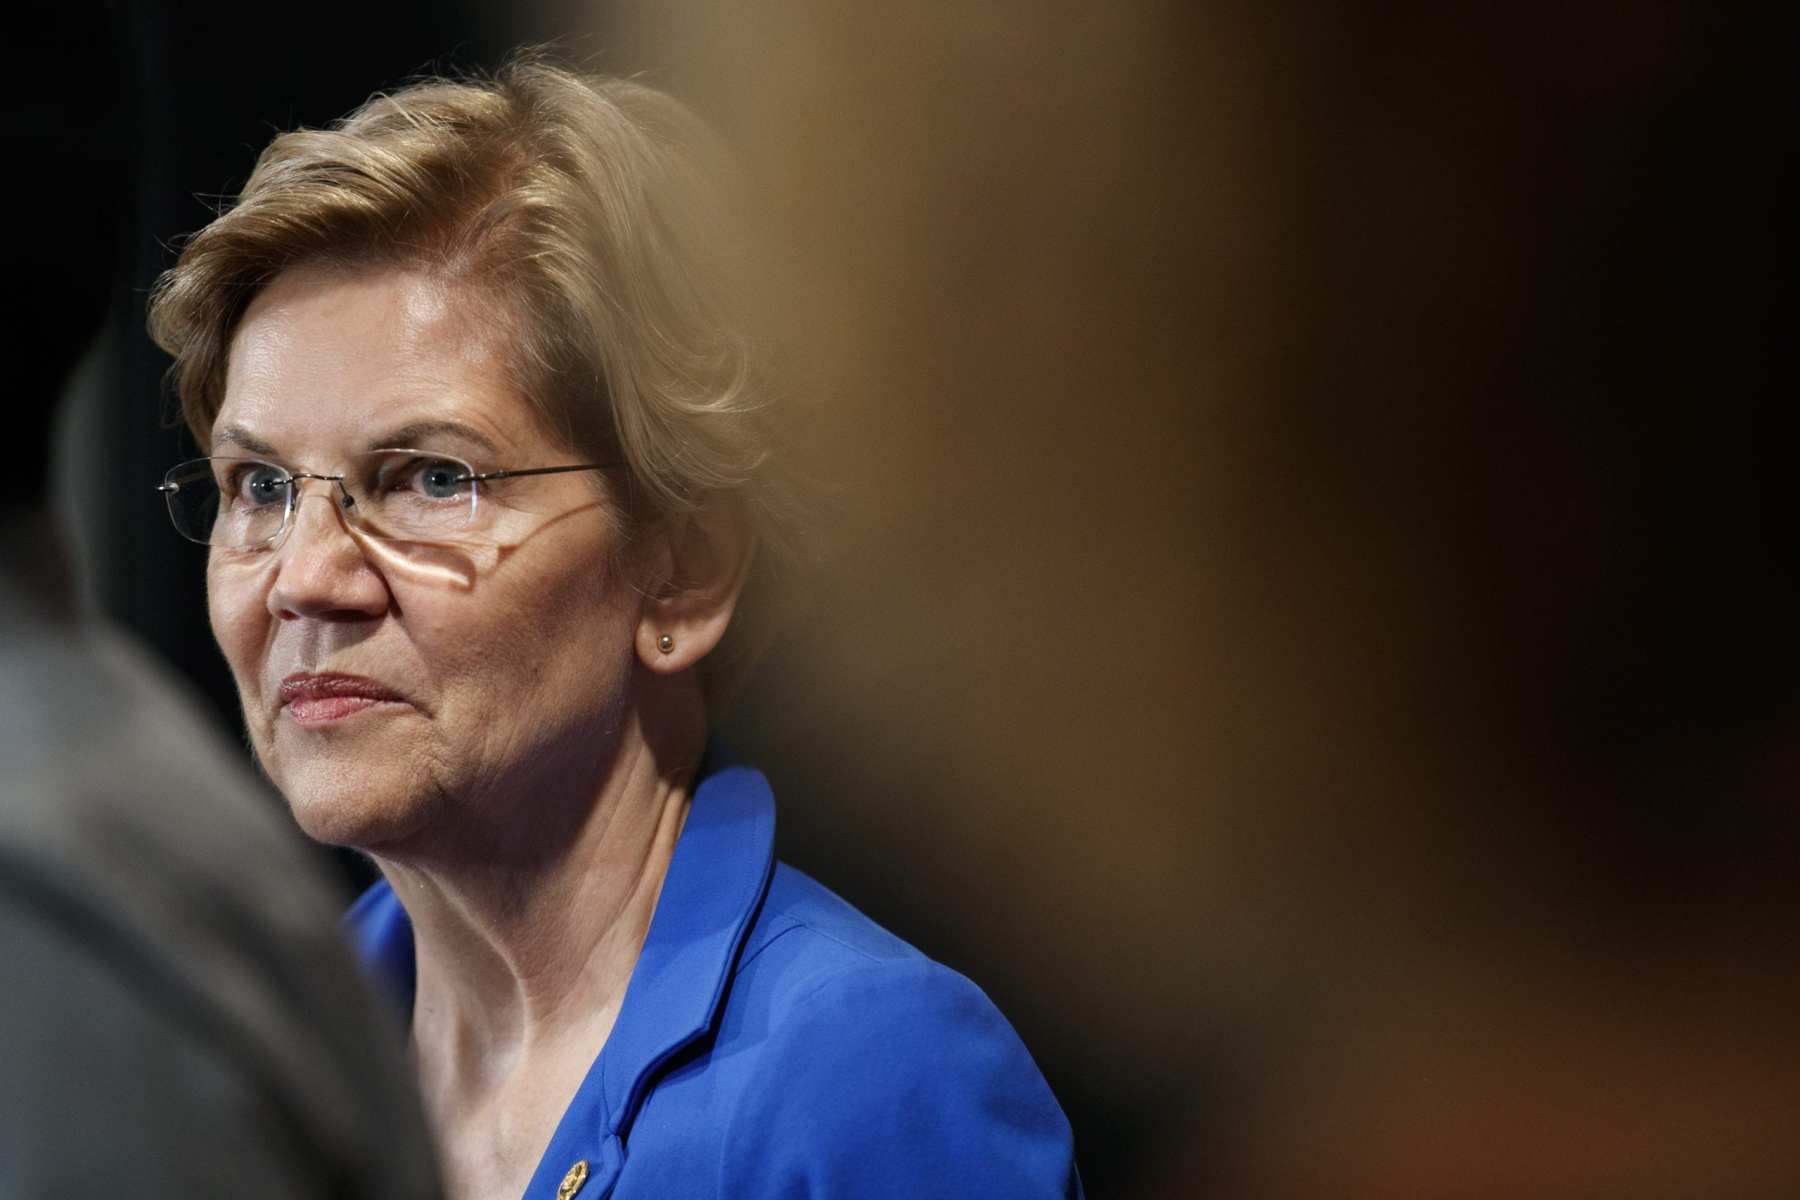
[(243, 439), (422, 431)]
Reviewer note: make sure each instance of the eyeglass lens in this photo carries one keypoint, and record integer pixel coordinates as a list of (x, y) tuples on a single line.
[(245, 503)]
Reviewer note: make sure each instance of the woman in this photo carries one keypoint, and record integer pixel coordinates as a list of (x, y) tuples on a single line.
[(488, 480)]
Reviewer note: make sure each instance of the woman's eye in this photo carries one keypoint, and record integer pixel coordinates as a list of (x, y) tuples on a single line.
[(261, 485), (438, 480)]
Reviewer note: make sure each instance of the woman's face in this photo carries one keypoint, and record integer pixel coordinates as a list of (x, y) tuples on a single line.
[(510, 650)]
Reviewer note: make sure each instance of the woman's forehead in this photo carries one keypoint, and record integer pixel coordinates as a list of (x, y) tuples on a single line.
[(447, 435), (331, 360)]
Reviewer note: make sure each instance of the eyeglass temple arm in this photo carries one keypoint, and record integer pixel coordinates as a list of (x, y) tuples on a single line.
[(537, 471)]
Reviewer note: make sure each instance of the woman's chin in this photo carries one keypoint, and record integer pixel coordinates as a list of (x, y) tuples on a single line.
[(364, 791), (365, 813)]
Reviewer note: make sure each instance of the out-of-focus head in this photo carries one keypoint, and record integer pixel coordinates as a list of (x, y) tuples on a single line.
[(520, 272)]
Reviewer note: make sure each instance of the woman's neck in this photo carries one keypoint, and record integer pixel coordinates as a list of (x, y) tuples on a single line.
[(531, 948)]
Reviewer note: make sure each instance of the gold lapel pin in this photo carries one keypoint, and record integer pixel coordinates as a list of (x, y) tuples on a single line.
[(572, 1181)]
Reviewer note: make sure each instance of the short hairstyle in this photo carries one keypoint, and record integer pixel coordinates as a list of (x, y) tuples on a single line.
[(588, 212)]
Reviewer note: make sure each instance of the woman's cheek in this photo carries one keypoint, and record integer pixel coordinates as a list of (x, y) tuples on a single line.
[(238, 618)]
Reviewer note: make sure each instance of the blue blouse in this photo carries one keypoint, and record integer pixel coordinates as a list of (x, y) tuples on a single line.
[(773, 1041)]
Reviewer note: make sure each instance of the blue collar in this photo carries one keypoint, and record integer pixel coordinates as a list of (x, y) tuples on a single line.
[(710, 897)]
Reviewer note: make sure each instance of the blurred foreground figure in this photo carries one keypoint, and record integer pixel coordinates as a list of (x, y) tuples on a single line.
[(176, 1006), (1324, 559), (178, 1014)]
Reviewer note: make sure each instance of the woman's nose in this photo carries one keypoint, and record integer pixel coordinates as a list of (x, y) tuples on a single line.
[(321, 571)]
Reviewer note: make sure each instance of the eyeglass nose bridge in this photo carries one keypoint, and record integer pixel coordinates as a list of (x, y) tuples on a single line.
[(345, 501)]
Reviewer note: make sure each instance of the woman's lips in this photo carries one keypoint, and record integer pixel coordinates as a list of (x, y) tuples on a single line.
[(323, 699)]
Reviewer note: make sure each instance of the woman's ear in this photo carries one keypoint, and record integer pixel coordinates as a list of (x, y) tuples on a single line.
[(704, 558)]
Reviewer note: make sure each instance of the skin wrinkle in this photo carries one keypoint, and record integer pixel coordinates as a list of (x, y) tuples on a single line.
[(525, 803)]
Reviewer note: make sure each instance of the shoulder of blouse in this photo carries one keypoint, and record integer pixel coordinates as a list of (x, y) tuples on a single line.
[(879, 1071)]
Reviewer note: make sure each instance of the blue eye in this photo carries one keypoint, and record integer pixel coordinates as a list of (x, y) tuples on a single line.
[(437, 479), (260, 484)]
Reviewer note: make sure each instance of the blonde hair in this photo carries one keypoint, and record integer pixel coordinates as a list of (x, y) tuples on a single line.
[(588, 211)]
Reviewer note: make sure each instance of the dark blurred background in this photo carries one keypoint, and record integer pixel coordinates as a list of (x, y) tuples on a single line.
[(1309, 623)]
